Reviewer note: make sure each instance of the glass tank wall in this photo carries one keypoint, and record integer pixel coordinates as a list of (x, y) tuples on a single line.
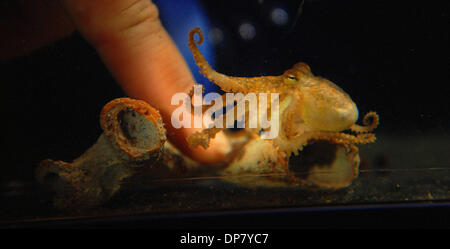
[(390, 58)]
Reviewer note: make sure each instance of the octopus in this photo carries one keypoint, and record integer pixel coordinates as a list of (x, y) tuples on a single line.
[(312, 108)]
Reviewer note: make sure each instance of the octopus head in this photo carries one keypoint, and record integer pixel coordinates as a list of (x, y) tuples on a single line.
[(322, 104)]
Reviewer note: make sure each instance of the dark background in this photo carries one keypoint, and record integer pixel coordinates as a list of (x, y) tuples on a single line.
[(389, 56)]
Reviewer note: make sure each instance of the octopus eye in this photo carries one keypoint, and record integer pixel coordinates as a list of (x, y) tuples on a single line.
[(292, 77)]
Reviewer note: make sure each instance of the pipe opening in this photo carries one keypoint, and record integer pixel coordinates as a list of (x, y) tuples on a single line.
[(137, 129)]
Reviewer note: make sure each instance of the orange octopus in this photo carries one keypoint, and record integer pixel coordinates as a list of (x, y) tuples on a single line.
[(311, 108)]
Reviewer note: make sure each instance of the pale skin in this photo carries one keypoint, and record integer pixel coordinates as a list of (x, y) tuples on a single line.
[(132, 43)]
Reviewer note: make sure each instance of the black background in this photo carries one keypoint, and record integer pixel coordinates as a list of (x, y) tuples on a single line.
[(390, 56)]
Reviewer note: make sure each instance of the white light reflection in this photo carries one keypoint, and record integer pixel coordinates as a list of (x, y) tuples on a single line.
[(215, 35), (247, 31), (279, 16)]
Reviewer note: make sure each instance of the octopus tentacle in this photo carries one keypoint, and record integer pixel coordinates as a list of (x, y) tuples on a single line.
[(368, 124), (226, 83), (296, 144), (202, 138), (220, 79)]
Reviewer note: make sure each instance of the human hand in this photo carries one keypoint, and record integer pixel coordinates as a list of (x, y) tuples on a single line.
[(141, 56)]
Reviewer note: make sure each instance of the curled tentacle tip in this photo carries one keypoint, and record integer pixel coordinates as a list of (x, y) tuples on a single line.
[(192, 33), (371, 119), (370, 122)]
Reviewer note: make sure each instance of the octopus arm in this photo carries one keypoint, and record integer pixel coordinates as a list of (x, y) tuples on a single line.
[(296, 144), (226, 83), (203, 137), (370, 121)]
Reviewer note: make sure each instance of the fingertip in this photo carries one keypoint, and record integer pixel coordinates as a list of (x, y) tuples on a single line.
[(144, 60), (218, 148)]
